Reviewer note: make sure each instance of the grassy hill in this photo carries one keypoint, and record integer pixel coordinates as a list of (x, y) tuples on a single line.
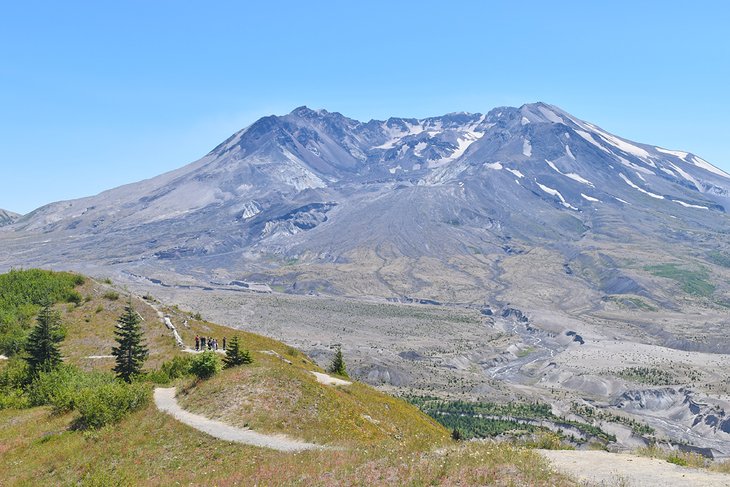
[(377, 439)]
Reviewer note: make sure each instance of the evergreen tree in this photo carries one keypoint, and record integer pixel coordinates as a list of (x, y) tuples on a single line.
[(338, 364), (44, 354), (235, 355), (131, 352)]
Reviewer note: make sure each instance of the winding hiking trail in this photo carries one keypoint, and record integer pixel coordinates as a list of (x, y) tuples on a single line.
[(166, 401), (604, 468)]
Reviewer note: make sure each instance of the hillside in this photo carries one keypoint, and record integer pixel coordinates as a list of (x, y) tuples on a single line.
[(373, 438), (7, 217)]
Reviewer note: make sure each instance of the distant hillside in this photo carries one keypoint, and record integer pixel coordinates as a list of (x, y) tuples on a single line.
[(7, 217)]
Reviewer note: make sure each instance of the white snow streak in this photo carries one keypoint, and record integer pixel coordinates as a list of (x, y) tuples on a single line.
[(675, 153), (687, 205), (590, 198), (699, 162), (571, 175), (555, 192), (687, 176), (569, 152), (628, 181), (515, 172)]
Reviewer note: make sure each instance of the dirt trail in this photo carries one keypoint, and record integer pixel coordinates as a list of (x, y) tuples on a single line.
[(166, 402), (608, 469)]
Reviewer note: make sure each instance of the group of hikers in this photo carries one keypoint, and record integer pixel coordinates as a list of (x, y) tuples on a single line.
[(211, 343)]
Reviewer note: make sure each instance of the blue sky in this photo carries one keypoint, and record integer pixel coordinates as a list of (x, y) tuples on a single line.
[(97, 94)]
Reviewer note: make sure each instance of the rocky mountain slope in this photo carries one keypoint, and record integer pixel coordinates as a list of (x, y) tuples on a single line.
[(318, 187), (7, 217)]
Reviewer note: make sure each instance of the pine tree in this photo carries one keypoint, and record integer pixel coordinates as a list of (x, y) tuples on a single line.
[(338, 364), (131, 352), (44, 354), (235, 355)]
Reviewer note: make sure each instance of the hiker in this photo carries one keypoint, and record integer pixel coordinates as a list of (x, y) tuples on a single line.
[(224, 343), (197, 342), (202, 343), (215, 344)]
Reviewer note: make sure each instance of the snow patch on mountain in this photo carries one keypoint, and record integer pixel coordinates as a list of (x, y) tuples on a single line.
[(516, 172), (526, 147), (686, 176), (676, 153), (590, 198), (630, 183), (571, 175), (688, 205), (569, 152), (555, 192), (699, 162)]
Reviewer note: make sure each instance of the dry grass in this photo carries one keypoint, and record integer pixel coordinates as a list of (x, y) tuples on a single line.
[(150, 448), (385, 440)]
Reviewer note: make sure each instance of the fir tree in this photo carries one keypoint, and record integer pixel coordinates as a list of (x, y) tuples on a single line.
[(235, 355), (44, 354), (131, 352), (338, 364)]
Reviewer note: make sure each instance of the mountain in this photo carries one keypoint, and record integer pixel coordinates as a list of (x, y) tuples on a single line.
[(319, 188), (7, 217)]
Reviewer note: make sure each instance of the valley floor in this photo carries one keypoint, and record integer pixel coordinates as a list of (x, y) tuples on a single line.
[(608, 469)]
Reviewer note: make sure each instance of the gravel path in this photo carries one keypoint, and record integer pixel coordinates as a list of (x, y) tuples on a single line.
[(608, 469), (166, 402)]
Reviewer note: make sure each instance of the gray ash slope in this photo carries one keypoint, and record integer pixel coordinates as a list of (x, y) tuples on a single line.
[(318, 188), (7, 217)]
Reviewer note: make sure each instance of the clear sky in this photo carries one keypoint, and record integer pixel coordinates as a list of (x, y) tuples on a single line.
[(101, 93)]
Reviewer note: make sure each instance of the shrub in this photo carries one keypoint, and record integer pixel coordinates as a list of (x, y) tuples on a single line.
[(60, 388), (13, 378), (74, 297), (205, 365), (109, 403), (177, 367), (172, 369), (111, 295)]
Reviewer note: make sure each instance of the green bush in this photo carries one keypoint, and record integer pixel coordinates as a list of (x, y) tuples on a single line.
[(172, 369), (14, 376), (22, 292), (111, 295), (60, 388), (109, 403), (205, 365)]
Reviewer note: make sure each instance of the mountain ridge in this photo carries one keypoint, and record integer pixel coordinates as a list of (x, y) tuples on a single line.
[(316, 186)]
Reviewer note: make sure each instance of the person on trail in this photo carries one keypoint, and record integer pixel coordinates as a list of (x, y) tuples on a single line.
[(202, 343), (215, 344), (224, 343), (197, 342)]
